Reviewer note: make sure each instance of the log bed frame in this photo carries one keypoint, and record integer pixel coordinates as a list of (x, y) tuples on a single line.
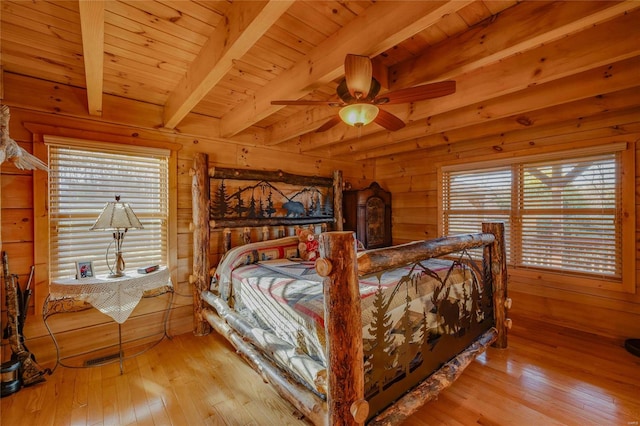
[(345, 403)]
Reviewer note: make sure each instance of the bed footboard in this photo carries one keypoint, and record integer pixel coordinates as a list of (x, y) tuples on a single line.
[(346, 370), (436, 383)]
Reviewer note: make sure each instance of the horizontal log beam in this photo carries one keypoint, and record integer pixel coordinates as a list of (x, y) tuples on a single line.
[(243, 26), (378, 260), (272, 221), (529, 25), (270, 176)]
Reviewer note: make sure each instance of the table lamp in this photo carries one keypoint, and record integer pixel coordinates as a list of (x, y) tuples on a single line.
[(119, 217)]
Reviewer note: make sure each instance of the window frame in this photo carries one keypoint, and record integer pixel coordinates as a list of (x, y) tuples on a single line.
[(103, 147), (559, 278)]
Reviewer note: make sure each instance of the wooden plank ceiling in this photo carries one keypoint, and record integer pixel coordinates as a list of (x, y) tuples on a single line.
[(516, 65)]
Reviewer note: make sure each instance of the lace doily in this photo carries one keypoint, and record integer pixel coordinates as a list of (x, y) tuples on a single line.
[(116, 297)]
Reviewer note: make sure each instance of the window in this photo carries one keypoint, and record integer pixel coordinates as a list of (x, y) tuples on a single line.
[(83, 177), (562, 213)]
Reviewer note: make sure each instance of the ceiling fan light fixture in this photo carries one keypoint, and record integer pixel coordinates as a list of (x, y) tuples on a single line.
[(358, 115)]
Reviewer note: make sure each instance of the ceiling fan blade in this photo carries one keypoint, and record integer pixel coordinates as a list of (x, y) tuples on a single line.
[(418, 93), (303, 102), (357, 72), (329, 124), (388, 121)]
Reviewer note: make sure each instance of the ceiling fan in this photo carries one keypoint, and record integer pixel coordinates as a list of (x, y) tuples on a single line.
[(359, 100)]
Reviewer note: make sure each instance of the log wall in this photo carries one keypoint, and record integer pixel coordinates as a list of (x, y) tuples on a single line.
[(410, 177), (412, 180), (22, 238)]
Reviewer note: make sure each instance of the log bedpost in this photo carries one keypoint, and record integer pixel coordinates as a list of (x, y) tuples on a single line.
[(200, 204), (337, 200), (496, 255), (343, 328)]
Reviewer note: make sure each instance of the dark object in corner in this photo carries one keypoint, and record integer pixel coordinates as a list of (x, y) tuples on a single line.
[(368, 212), (148, 269), (633, 346), (10, 377)]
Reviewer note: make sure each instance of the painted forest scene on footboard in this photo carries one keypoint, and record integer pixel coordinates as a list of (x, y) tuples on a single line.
[(412, 334)]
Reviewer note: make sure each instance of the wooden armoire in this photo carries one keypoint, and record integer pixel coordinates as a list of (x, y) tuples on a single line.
[(368, 213)]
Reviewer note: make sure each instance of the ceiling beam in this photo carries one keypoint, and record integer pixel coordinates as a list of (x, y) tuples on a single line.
[(529, 24), (326, 61), (244, 24), (591, 83), (450, 129), (565, 57), (92, 27)]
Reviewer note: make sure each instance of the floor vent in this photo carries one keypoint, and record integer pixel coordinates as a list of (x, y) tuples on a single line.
[(101, 360)]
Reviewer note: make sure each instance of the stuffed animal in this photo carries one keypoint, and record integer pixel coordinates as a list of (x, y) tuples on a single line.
[(308, 246)]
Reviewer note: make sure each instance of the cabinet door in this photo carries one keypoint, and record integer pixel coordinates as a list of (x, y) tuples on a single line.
[(368, 212), (376, 230)]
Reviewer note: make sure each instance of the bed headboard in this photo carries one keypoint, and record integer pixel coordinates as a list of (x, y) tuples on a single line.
[(271, 203)]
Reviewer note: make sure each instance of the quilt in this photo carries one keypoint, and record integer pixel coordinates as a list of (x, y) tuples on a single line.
[(284, 296)]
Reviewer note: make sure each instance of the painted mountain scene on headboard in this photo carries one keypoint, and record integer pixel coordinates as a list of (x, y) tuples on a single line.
[(241, 199)]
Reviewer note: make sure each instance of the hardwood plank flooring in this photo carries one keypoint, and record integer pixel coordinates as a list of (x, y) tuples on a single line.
[(548, 376)]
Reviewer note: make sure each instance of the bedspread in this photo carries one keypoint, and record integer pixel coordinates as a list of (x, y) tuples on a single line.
[(286, 297)]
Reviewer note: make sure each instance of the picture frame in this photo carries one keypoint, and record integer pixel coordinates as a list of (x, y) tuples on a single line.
[(84, 269)]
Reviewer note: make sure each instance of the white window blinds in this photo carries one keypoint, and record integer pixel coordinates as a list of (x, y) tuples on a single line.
[(476, 196), (81, 181), (560, 214), (568, 215)]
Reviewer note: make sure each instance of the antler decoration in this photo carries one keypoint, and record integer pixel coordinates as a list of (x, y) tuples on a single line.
[(10, 150)]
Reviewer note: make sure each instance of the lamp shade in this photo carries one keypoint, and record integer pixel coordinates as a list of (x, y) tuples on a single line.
[(117, 215), (359, 114)]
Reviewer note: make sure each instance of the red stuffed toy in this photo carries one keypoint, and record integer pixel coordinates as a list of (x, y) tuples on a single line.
[(308, 246)]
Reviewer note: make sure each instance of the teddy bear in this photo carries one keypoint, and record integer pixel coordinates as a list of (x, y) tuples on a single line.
[(308, 246)]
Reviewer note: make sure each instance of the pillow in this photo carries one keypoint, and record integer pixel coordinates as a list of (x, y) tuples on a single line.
[(281, 248)]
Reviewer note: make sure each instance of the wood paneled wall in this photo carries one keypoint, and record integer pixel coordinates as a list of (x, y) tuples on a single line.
[(413, 182), (412, 179), (21, 241)]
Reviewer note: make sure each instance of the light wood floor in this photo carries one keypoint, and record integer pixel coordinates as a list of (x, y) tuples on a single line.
[(548, 376)]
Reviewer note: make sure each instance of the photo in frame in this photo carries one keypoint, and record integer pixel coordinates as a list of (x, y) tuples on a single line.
[(84, 269)]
